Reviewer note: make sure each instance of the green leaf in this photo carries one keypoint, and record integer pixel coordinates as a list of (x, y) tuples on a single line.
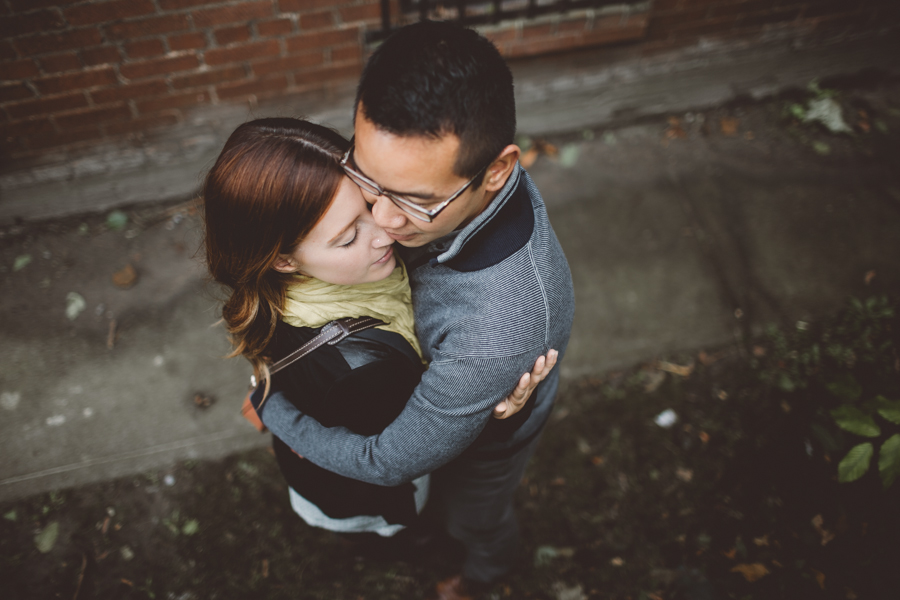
[(889, 460), (846, 387), (855, 421), (46, 539), (191, 527), (11, 515), (116, 220), (856, 463), (889, 409), (21, 262)]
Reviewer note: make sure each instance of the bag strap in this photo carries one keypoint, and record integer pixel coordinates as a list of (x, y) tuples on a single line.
[(330, 334)]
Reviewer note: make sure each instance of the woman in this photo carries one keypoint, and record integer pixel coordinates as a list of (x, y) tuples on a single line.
[(293, 239)]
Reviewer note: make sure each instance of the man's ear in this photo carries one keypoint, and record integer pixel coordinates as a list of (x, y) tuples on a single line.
[(499, 170), (285, 263)]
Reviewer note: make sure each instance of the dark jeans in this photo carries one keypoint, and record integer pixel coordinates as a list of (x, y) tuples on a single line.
[(477, 497)]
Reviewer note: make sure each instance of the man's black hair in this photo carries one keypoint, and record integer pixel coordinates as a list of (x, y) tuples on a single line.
[(433, 78)]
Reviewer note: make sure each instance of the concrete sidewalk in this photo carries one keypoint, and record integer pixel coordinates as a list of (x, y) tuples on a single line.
[(676, 241)]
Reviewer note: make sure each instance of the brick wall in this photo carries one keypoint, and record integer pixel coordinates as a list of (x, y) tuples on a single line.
[(79, 72)]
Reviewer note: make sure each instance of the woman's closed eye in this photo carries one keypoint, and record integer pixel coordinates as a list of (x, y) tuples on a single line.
[(353, 239)]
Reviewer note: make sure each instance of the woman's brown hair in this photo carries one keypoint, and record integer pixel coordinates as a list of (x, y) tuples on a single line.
[(272, 183)]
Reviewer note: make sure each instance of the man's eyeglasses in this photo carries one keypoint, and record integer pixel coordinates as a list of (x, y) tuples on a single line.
[(407, 206)]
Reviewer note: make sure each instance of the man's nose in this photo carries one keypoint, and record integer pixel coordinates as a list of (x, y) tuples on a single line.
[(385, 212)]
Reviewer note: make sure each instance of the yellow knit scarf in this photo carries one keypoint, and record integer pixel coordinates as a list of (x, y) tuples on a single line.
[(311, 302)]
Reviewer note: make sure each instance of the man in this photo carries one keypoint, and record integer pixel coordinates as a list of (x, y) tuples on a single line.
[(434, 154)]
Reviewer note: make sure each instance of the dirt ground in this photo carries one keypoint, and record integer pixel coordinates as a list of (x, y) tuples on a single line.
[(708, 474)]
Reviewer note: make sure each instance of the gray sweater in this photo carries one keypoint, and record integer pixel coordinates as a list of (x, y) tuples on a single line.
[(488, 300)]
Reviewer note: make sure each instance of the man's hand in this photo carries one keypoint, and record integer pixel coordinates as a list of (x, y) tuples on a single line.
[(519, 396)]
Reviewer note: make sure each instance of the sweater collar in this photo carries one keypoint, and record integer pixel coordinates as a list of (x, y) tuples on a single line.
[(457, 239)]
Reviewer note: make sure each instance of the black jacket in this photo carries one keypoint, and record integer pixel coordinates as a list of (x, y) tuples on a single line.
[(361, 383)]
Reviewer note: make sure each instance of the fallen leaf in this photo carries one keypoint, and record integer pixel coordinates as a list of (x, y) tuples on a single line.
[(127, 582), (729, 125), (562, 592), (785, 406), (761, 541), (265, 568), (684, 474), (748, 135), (74, 305), (722, 395), (568, 156), (730, 554), (125, 277), (704, 437), (820, 578), (126, 552), (105, 526), (759, 351), (46, 538), (751, 572), (21, 262), (817, 522), (652, 380), (111, 334), (869, 277), (680, 370), (116, 220), (558, 481), (597, 460), (617, 562), (203, 400)]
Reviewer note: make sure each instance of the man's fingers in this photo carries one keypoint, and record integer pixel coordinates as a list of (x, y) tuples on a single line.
[(500, 409)]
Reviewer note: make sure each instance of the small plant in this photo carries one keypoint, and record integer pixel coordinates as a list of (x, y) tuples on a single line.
[(851, 357)]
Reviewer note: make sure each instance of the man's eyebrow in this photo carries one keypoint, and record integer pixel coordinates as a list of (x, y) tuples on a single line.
[(416, 195), (342, 232)]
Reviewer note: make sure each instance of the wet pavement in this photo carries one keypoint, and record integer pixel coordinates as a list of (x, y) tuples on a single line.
[(689, 219)]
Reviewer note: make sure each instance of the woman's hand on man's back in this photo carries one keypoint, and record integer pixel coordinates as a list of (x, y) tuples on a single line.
[(527, 383)]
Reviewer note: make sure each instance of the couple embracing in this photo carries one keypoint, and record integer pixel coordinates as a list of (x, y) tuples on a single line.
[(301, 227)]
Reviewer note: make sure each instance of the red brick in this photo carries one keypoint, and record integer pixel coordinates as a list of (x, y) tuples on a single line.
[(143, 89), (309, 41), (57, 63), (209, 77), (220, 56), (25, 5), (14, 91), (18, 69), (142, 124), (288, 63), (159, 66), (76, 81), (346, 53), (361, 12), (104, 12), (274, 27), (152, 105), (328, 74), (572, 26), (187, 41), (257, 87), (230, 35), (145, 48), (148, 27), (301, 5), (45, 106), (55, 42), (102, 55), (29, 127), (180, 4), (7, 52), (317, 20), (537, 30), (92, 116), (499, 36), (236, 13), (59, 140), (34, 22)]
